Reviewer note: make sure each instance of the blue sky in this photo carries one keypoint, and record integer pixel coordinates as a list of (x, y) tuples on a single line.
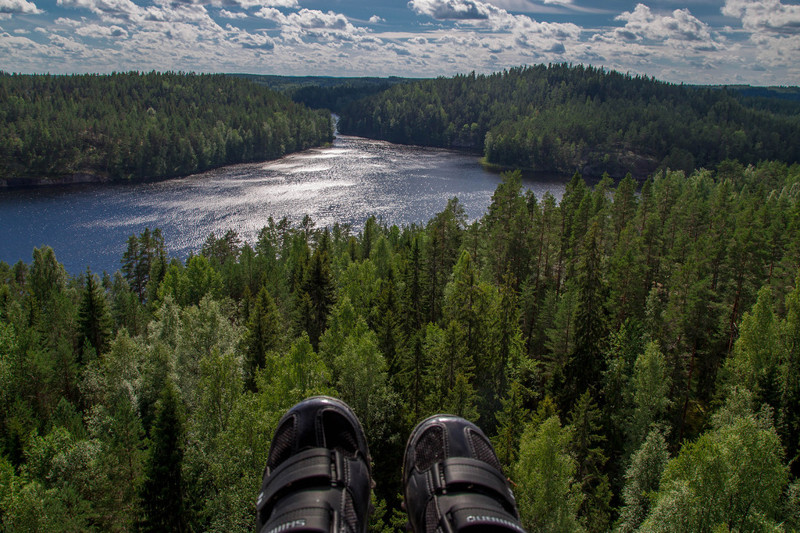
[(694, 41)]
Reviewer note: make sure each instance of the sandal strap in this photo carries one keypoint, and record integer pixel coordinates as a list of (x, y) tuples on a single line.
[(481, 518), (451, 474), (469, 493), (317, 479), (308, 519), (314, 467)]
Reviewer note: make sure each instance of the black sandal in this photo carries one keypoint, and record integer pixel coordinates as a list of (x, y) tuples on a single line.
[(453, 480), (317, 476)]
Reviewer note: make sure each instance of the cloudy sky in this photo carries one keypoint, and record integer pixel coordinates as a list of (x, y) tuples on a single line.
[(694, 41)]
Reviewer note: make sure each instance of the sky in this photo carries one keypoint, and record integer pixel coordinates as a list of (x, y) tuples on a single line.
[(753, 42)]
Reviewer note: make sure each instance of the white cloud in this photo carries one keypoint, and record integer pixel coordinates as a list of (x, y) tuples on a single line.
[(96, 30), (185, 13), (451, 36), (455, 9), (680, 25), (313, 26), (399, 50), (69, 45), (231, 15), (253, 41), (248, 4), (765, 15), (117, 7), (10, 7)]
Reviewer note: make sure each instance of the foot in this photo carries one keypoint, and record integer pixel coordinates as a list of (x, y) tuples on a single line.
[(317, 476), (453, 480)]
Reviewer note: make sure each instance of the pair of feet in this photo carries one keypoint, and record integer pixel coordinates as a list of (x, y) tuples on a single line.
[(318, 475)]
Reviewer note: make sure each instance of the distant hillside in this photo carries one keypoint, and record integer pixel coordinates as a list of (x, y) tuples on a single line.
[(573, 118), (63, 129), (323, 92), (780, 93)]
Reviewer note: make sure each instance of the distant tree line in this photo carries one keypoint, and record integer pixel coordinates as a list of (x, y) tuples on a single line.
[(145, 125), (633, 353), (562, 118), (325, 92)]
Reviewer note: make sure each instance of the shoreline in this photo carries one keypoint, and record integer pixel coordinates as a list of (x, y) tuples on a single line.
[(90, 178)]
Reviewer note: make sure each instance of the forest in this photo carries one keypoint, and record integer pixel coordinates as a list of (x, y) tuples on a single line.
[(633, 352), (325, 92), (563, 118), (132, 126)]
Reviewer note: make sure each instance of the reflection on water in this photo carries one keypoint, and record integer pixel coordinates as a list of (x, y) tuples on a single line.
[(348, 182)]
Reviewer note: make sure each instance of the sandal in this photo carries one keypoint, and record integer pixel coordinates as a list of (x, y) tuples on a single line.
[(317, 476), (453, 480)]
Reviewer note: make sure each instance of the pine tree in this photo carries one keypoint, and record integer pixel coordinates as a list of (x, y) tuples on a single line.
[(47, 276), (506, 225)]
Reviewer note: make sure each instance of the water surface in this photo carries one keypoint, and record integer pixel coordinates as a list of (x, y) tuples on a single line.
[(347, 182)]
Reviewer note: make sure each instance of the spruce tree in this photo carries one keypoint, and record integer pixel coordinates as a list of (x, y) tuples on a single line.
[(94, 318), (587, 448), (588, 360), (263, 334), (319, 289), (649, 393), (162, 492)]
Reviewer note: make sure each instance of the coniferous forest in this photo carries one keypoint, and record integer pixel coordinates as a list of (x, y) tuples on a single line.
[(634, 353), (153, 125), (563, 118)]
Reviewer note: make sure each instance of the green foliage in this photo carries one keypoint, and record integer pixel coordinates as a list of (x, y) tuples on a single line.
[(631, 317), (586, 447), (145, 125), (263, 334), (163, 489), (642, 480), (94, 319), (650, 385), (564, 118), (731, 477), (547, 493)]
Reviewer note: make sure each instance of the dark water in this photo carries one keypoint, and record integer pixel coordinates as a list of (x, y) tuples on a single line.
[(355, 178)]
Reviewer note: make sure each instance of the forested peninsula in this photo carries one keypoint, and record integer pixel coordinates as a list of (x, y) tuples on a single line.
[(135, 126), (634, 353), (563, 118)]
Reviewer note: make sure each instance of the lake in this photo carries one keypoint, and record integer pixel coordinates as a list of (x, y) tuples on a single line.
[(347, 182)]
